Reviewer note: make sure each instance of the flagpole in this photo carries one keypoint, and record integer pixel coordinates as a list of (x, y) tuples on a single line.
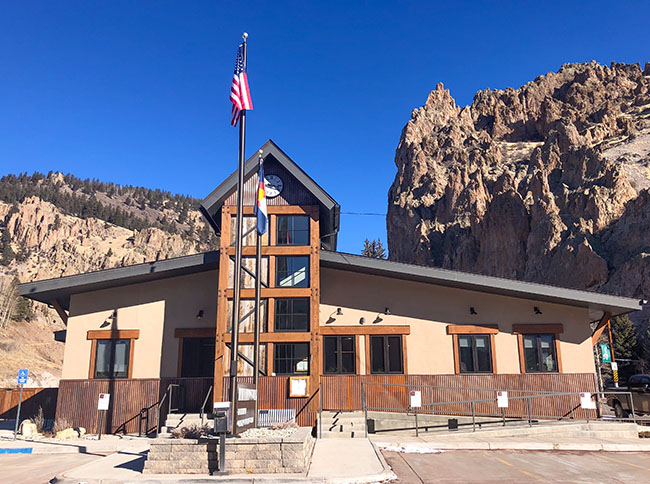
[(258, 322), (234, 347)]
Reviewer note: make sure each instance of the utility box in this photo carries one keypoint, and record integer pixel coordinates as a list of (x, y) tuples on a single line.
[(371, 425), (452, 423), (220, 422)]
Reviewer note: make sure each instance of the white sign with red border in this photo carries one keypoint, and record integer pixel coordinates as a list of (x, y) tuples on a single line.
[(416, 399), (502, 399), (104, 399), (586, 401)]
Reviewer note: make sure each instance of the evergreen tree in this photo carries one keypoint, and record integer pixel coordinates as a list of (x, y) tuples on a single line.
[(624, 345), (373, 249)]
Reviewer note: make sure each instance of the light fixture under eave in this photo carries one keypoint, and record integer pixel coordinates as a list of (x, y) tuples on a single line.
[(331, 317), (199, 315), (362, 320), (387, 311), (339, 312), (472, 310), (536, 310), (643, 302)]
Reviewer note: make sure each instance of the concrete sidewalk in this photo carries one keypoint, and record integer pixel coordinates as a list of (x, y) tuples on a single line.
[(107, 445), (335, 461)]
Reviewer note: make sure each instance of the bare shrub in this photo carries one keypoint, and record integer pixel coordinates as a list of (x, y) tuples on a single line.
[(39, 420), (7, 346), (191, 432), (291, 424), (61, 424)]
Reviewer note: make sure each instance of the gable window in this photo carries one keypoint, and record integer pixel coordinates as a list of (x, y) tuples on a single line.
[(290, 358), (292, 314), (386, 354), (339, 354), (474, 353), (112, 358), (292, 229), (292, 271), (539, 353)]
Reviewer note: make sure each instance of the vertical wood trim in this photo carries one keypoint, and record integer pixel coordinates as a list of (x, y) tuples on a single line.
[(522, 360), (273, 229), (367, 341), (131, 360), (271, 271), (494, 354), (270, 356), (222, 305), (315, 369), (270, 315), (357, 359), (93, 356), (405, 360), (454, 339), (180, 357), (558, 354)]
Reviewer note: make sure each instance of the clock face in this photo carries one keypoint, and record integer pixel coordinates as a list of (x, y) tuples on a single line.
[(273, 185)]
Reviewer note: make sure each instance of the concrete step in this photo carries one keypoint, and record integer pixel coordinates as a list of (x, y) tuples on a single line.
[(344, 435)]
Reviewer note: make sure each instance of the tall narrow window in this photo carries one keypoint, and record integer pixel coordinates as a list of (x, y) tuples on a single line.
[(112, 358), (339, 354), (292, 271), (539, 353), (292, 314), (292, 229), (386, 354), (475, 355), (197, 357), (290, 358)]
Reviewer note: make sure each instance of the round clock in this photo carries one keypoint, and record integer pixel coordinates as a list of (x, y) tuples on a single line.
[(273, 185)]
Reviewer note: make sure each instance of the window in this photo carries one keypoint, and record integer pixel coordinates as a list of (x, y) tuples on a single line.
[(292, 229), (292, 271), (339, 354), (290, 358), (386, 354), (292, 314), (539, 353), (112, 358), (474, 353), (197, 357)]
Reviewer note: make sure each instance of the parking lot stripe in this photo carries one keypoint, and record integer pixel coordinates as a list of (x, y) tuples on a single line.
[(529, 474), (623, 462)]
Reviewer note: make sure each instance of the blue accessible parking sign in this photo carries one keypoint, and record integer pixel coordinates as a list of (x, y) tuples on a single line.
[(22, 376)]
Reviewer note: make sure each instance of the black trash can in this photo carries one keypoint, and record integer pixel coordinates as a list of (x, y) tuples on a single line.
[(452, 423)]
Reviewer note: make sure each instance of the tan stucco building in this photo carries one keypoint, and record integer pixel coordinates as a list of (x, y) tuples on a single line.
[(336, 319)]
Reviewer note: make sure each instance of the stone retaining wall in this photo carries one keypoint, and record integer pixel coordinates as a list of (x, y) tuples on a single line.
[(243, 456)]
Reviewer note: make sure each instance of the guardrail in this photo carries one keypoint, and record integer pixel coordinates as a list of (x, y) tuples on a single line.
[(468, 407)]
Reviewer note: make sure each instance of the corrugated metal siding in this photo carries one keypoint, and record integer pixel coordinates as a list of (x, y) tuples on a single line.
[(293, 193), (344, 392), (33, 398), (193, 393)]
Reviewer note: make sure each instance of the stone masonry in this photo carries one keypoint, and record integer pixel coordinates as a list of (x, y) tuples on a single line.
[(243, 456)]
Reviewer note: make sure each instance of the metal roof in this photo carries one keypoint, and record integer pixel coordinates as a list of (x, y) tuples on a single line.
[(329, 209), (60, 289), (476, 282)]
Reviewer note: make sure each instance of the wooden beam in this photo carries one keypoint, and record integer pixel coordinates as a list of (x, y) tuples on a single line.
[(276, 209), (113, 334), (602, 324), (250, 250), (537, 328), (326, 330), (195, 332), (60, 311), (277, 292), (472, 329), (271, 338)]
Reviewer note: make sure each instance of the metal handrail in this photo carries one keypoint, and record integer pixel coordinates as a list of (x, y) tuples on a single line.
[(205, 400), (162, 400)]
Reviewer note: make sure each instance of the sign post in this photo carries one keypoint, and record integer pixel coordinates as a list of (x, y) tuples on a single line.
[(22, 380), (415, 403), (502, 403), (102, 406)]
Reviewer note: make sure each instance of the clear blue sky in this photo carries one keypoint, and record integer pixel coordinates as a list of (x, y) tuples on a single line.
[(137, 92)]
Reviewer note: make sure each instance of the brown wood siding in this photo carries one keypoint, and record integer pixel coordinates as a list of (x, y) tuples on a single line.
[(344, 392), (33, 398), (293, 193)]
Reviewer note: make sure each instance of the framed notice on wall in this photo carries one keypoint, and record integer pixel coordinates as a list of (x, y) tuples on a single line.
[(298, 386)]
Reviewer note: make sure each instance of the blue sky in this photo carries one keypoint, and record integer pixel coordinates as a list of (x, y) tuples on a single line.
[(137, 92)]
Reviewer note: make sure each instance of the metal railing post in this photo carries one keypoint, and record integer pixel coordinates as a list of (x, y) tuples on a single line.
[(473, 419), (571, 404), (530, 421), (320, 409), (632, 407), (503, 416)]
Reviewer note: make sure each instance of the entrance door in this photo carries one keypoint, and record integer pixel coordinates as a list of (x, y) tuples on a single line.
[(197, 357)]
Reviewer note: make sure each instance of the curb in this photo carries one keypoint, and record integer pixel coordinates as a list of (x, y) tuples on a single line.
[(536, 446)]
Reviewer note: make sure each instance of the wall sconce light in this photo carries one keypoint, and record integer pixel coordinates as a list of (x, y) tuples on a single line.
[(387, 311), (362, 320), (536, 310), (472, 310), (643, 302), (199, 315), (110, 319), (379, 319), (331, 319)]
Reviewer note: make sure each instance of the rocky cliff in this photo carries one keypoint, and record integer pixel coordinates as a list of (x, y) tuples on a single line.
[(545, 183), (72, 234)]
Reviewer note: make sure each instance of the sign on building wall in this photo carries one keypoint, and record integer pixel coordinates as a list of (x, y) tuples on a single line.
[(606, 354)]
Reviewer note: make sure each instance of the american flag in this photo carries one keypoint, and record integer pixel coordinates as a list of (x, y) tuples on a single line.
[(240, 95)]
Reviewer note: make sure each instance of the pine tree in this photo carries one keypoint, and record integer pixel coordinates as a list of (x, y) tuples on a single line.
[(373, 249)]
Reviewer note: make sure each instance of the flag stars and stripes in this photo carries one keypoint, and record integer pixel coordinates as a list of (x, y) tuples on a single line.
[(240, 95)]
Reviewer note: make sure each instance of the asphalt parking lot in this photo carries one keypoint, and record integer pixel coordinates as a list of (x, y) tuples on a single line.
[(520, 466), (38, 468)]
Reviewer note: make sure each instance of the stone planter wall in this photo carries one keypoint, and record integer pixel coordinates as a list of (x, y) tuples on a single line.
[(243, 456)]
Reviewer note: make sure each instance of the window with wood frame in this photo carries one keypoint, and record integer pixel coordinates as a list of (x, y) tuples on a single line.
[(339, 354), (291, 314), (386, 354), (539, 347), (473, 348), (292, 271), (292, 229), (290, 358), (112, 353)]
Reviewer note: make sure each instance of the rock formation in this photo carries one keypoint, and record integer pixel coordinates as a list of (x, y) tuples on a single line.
[(546, 183)]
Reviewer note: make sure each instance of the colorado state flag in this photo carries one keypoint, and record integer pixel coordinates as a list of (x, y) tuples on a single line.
[(260, 206)]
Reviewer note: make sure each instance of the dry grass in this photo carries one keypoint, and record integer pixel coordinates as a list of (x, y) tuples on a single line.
[(39, 420), (191, 432), (61, 424)]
